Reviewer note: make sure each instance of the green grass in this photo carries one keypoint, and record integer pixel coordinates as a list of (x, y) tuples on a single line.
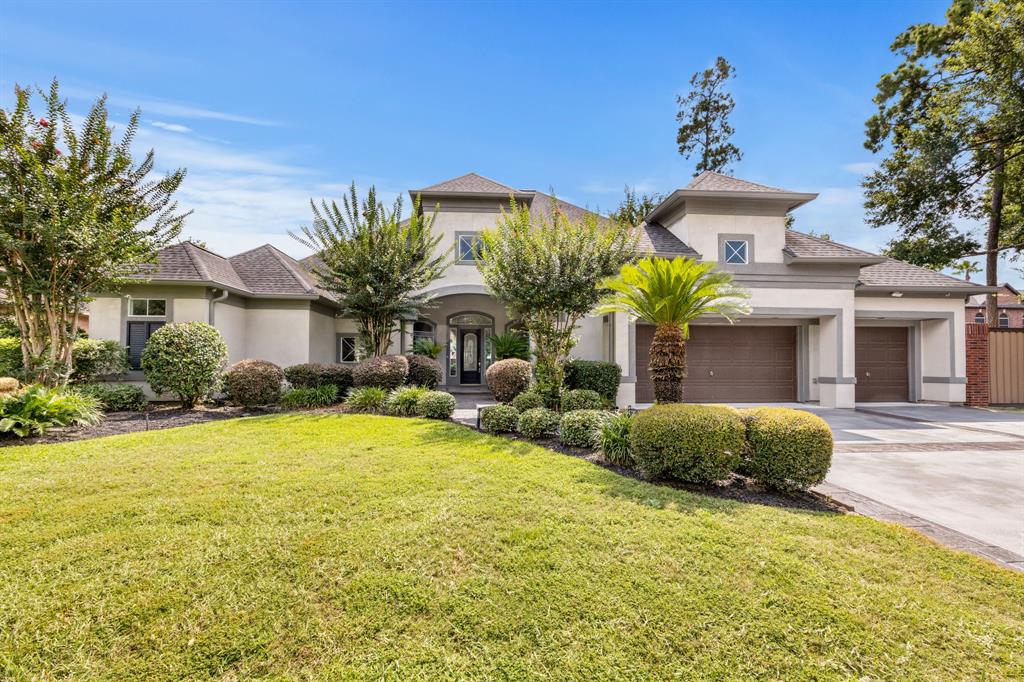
[(371, 547)]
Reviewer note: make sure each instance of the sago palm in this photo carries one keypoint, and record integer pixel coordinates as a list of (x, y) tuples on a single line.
[(670, 294)]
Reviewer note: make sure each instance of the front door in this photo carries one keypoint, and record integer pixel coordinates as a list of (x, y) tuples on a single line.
[(469, 358)]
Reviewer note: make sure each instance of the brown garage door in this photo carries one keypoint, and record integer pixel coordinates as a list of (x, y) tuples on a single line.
[(728, 364), (881, 358)]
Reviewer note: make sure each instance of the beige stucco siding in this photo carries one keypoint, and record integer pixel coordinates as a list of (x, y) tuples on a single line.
[(229, 318), (704, 220), (280, 333), (322, 335)]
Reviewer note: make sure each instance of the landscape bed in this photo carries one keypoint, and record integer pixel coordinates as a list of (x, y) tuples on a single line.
[(331, 546)]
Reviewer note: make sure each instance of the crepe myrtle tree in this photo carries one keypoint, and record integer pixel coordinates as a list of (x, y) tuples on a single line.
[(548, 269), (670, 294), (375, 263), (77, 214)]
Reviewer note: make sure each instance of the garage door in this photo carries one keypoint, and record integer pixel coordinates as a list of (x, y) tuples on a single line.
[(728, 364), (881, 359)]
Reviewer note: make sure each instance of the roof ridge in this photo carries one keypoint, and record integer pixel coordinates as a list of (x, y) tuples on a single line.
[(286, 261), (196, 263)]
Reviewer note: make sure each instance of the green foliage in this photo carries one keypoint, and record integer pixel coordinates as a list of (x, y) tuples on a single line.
[(372, 399), (10, 356), (93, 358), (424, 371), (510, 345), (703, 118), (436, 405), (376, 263), (594, 375), (311, 375), (254, 382), (310, 398), (499, 419), (787, 449), (581, 399), (404, 401), (538, 422), (116, 397), (634, 208), (527, 400), (9, 327), (582, 428), (386, 371), (695, 443), (951, 120), (508, 378), (427, 348), (186, 359), (670, 294), (38, 408), (548, 270), (78, 215), (614, 439)]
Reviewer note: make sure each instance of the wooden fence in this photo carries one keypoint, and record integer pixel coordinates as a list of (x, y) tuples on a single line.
[(1006, 366)]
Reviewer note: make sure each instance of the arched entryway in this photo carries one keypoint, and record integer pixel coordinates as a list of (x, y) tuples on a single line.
[(469, 347)]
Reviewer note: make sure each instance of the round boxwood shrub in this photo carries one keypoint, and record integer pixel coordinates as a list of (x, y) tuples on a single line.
[(499, 418), (509, 378), (423, 371), (527, 401), (254, 382), (695, 443), (186, 359), (581, 399), (538, 422), (92, 358), (436, 405), (313, 375), (116, 397), (581, 428), (787, 449), (386, 371), (594, 375)]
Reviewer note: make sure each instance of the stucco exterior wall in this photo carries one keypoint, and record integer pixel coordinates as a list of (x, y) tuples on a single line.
[(105, 319), (705, 219), (322, 336), (229, 318), (590, 343), (455, 217), (279, 334)]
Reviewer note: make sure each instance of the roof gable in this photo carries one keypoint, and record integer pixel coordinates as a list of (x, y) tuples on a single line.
[(710, 181), (470, 183)]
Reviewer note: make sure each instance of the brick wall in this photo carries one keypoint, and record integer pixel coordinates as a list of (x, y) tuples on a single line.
[(977, 365)]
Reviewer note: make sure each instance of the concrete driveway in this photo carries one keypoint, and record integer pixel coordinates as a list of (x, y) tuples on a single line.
[(959, 468)]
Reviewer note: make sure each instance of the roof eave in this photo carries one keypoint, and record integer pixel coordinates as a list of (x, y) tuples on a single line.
[(790, 199), (793, 259), (966, 292), (422, 194)]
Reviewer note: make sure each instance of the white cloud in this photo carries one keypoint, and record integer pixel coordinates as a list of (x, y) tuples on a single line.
[(164, 108), (860, 167), (172, 127)]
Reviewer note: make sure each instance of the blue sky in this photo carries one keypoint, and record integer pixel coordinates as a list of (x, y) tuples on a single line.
[(268, 105)]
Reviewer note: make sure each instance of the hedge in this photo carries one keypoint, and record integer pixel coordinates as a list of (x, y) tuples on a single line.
[(581, 399), (93, 358), (594, 375), (436, 405), (312, 374), (695, 443), (539, 422), (423, 371), (527, 401), (581, 428), (386, 371), (116, 397), (508, 378), (499, 418), (787, 449), (254, 382)]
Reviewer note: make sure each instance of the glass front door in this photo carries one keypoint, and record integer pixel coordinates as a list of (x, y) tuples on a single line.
[(469, 356)]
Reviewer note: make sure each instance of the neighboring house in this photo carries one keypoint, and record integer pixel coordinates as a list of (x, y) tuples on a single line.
[(830, 323), (1010, 308)]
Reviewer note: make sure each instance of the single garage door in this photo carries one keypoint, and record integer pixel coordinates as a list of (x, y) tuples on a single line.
[(881, 359), (728, 364)]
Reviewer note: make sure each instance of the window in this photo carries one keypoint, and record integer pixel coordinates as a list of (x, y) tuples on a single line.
[(138, 333), (422, 329), (979, 317), (1004, 320), (148, 307), (468, 245), (736, 251), (347, 348)]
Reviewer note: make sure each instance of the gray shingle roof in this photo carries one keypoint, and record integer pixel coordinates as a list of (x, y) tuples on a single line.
[(800, 245), (267, 270), (470, 182), (189, 262), (894, 273), (655, 238), (710, 181)]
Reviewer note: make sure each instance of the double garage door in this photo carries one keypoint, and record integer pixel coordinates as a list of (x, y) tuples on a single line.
[(759, 364)]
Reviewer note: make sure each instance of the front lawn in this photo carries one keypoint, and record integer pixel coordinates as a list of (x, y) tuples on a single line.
[(339, 546)]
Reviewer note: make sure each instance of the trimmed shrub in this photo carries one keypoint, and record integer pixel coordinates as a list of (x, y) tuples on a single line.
[(37, 408), (94, 358), (499, 419), (116, 397), (581, 399), (594, 375), (186, 359), (509, 378), (386, 371), (312, 374), (8, 385), (614, 439), (10, 356), (436, 405), (527, 401), (367, 399), (695, 443), (538, 422), (254, 382), (423, 371), (404, 401), (787, 449), (581, 428), (317, 396)]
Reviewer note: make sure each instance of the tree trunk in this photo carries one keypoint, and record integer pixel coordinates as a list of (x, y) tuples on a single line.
[(668, 363), (995, 224)]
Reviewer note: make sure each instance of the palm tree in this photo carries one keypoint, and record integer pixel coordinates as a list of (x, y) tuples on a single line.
[(671, 294)]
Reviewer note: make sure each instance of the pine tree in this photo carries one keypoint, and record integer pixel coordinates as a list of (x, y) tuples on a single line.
[(704, 128)]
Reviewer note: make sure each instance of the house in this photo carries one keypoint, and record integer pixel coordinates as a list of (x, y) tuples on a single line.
[(830, 323), (1010, 308)]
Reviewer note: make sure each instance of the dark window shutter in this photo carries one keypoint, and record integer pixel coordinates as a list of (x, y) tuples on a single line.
[(138, 334)]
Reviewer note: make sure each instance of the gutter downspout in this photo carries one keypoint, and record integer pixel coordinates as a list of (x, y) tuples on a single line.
[(214, 302)]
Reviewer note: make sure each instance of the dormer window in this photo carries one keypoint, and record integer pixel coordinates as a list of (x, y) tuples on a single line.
[(736, 251)]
